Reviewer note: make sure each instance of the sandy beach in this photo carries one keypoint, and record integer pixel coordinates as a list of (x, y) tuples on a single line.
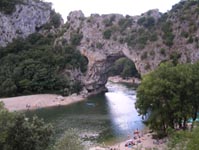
[(38, 101), (145, 142)]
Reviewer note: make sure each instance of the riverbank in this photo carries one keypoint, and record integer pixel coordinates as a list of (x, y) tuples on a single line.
[(143, 142), (31, 102), (118, 79)]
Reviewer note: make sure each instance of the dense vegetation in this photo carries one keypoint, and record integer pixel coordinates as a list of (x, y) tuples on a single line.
[(184, 140), (168, 96), (124, 68), (33, 65), (70, 141), (8, 6), (21, 133)]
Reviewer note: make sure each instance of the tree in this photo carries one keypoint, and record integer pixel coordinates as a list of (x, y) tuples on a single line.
[(165, 96), (70, 141), (21, 133)]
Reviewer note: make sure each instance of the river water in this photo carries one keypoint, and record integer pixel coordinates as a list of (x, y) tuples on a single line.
[(105, 118)]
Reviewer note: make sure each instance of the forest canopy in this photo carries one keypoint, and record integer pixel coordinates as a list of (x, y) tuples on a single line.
[(168, 96), (34, 65)]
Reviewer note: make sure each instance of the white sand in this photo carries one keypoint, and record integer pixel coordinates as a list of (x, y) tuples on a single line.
[(38, 101)]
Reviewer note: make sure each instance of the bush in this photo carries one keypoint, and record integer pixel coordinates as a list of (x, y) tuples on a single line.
[(55, 19), (21, 133), (107, 34), (124, 23), (144, 55), (70, 141), (163, 51), (168, 35), (8, 6), (148, 22), (75, 38)]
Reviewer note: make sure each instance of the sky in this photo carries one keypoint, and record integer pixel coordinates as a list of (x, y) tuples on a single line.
[(125, 7)]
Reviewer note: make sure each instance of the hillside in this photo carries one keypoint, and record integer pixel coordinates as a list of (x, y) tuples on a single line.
[(147, 40)]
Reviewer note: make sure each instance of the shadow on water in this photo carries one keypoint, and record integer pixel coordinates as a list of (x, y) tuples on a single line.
[(106, 117)]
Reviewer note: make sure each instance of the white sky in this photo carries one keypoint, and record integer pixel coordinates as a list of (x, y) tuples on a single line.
[(130, 7)]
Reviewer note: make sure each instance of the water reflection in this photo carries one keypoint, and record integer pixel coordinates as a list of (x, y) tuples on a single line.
[(110, 117), (123, 115)]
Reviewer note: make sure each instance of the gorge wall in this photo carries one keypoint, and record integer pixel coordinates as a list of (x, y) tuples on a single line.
[(27, 18), (147, 40)]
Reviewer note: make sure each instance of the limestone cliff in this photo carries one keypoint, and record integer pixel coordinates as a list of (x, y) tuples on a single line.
[(27, 18)]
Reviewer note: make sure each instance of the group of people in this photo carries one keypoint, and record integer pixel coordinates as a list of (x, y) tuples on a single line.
[(133, 141)]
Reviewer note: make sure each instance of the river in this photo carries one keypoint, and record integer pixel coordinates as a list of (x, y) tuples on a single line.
[(104, 118)]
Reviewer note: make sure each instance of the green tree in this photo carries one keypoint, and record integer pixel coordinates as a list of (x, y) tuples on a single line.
[(165, 96), (107, 34), (21, 133), (184, 140), (70, 141)]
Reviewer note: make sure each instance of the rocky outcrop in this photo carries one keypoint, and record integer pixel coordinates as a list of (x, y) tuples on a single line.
[(27, 18)]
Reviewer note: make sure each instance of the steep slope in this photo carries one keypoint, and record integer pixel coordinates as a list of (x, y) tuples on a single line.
[(23, 19)]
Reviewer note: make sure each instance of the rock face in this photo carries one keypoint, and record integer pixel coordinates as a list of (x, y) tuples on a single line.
[(27, 19)]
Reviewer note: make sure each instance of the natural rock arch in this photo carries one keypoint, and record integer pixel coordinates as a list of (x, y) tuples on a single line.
[(98, 68)]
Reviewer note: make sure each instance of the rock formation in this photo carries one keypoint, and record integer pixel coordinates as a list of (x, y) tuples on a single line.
[(27, 18)]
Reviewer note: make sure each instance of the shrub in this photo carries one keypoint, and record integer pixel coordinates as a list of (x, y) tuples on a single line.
[(107, 34), (163, 51), (75, 38), (190, 40), (99, 45), (55, 19), (124, 23), (8, 6), (144, 55), (184, 34), (148, 22), (168, 36), (175, 56)]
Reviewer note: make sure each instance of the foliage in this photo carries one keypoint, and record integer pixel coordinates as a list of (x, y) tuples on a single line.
[(75, 38), (32, 65), (175, 56), (8, 6), (168, 36), (99, 45), (109, 21), (107, 34), (124, 23), (124, 67), (144, 55), (55, 19), (21, 133), (163, 51), (168, 96), (147, 22), (70, 141), (184, 140)]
